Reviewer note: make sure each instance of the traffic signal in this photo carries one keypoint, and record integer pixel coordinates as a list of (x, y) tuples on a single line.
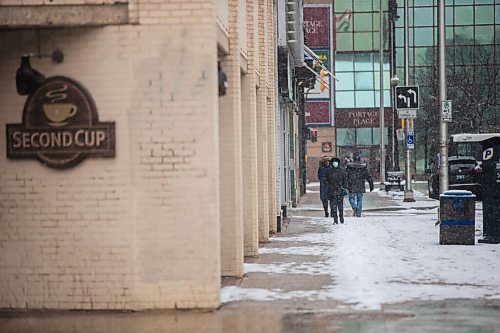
[(314, 135), (322, 83)]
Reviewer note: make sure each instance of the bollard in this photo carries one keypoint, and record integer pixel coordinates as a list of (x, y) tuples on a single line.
[(457, 211)]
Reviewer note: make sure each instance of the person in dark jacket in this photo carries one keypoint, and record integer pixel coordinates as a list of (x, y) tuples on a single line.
[(336, 180), (357, 174), (324, 166)]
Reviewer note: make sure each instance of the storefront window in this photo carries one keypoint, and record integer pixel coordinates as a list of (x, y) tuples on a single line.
[(345, 99), (421, 56), (464, 55), (449, 34), (484, 55), (346, 136), (449, 15), (364, 81), (363, 62), (467, 34), (365, 99), (345, 81), (387, 83), (484, 14), (345, 41), (424, 36), (363, 22), (362, 6), (341, 5), (424, 2), (363, 136), (344, 62), (464, 2), (376, 135), (484, 34), (424, 17), (363, 41), (387, 98), (463, 15)]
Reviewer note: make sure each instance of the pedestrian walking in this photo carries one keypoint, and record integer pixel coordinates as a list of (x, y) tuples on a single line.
[(346, 161), (357, 174), (337, 183), (324, 166)]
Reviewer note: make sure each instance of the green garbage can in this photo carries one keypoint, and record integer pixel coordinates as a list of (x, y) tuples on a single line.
[(457, 212)]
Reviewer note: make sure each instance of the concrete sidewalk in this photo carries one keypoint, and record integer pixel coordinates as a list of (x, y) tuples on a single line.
[(256, 302)]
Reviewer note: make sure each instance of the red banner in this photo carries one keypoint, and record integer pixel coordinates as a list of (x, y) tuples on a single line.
[(317, 112), (361, 117), (317, 27)]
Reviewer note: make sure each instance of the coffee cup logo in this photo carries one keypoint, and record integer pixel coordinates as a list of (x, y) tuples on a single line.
[(60, 126), (58, 113)]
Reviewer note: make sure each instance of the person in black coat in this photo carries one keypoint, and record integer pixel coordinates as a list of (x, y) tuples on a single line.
[(357, 174), (324, 166), (336, 180)]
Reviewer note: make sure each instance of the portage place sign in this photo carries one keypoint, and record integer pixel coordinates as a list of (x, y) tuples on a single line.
[(60, 126)]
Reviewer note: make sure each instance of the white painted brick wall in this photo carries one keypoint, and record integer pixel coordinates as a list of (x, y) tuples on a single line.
[(249, 131), (57, 2), (141, 230), (222, 14), (242, 22), (137, 231)]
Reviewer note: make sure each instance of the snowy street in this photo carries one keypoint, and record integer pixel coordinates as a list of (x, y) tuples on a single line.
[(390, 255), (383, 272)]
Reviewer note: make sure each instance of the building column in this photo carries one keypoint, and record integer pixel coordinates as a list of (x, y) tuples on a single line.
[(262, 114), (271, 118), (249, 134), (230, 155)]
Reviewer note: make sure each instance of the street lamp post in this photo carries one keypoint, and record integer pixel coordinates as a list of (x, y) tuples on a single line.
[(408, 196), (381, 106), (443, 144), (394, 83)]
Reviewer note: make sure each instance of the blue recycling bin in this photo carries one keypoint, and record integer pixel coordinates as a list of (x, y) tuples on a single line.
[(457, 212)]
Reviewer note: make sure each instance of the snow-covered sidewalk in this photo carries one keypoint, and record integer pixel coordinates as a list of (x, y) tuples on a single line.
[(384, 257)]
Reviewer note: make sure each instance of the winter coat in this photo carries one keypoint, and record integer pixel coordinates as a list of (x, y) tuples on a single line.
[(323, 187), (357, 173), (336, 179)]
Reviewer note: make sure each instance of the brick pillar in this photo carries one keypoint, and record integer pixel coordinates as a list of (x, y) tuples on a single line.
[(271, 124), (249, 133), (230, 155), (262, 114)]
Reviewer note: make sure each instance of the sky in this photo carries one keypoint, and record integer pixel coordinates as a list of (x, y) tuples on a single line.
[(384, 257)]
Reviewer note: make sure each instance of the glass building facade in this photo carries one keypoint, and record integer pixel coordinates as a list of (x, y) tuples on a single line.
[(472, 59), (357, 88), (473, 79)]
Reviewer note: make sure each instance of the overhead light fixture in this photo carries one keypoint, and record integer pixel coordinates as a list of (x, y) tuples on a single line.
[(28, 79)]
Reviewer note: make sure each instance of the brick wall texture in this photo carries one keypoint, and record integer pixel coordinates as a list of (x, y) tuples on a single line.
[(148, 228)]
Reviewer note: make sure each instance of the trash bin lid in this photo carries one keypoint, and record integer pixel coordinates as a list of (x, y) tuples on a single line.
[(458, 193)]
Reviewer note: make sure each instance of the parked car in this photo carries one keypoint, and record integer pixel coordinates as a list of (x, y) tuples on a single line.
[(464, 173)]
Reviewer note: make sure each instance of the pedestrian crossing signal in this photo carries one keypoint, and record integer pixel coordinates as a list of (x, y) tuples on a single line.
[(314, 135)]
